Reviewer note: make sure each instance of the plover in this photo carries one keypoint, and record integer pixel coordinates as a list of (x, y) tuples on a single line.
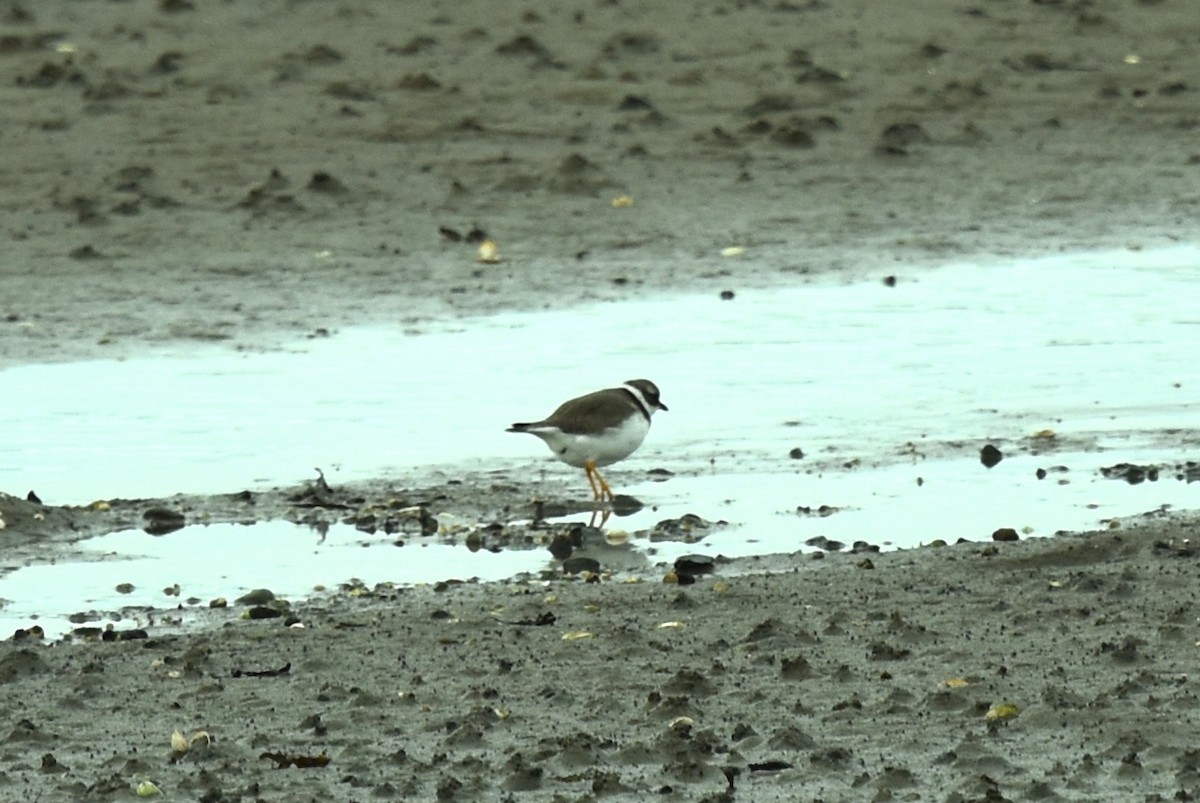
[(599, 429)]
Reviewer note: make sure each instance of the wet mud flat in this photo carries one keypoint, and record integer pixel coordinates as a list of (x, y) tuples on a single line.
[(1050, 669), (112, 567), (234, 174), (221, 173)]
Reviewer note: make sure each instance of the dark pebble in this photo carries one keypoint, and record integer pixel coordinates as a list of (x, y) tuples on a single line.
[(578, 565), (124, 635), (324, 182), (87, 632), (561, 547), (989, 455), (161, 520), (625, 505), (821, 542), (259, 596), (695, 564), (1130, 473)]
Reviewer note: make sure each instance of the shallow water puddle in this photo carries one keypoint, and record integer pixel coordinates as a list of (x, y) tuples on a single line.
[(879, 386), (1087, 345), (902, 505), (195, 565)]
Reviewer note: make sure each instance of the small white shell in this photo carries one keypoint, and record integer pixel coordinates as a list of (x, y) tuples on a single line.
[(148, 789), (576, 635), (488, 252)]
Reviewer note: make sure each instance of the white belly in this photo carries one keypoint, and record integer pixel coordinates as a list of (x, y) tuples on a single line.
[(605, 449)]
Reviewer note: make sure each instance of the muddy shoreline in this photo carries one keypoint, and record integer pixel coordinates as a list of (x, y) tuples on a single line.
[(852, 677), (233, 176)]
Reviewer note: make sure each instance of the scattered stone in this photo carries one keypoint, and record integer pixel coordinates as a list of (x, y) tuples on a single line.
[(820, 511), (990, 456), (162, 520), (625, 505), (580, 565), (259, 596), (679, 578), (35, 633), (828, 544), (562, 545), (687, 528), (326, 183), (695, 564), (1130, 473), (133, 634)]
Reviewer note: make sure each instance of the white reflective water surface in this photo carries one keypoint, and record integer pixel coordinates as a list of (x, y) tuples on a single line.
[(889, 391)]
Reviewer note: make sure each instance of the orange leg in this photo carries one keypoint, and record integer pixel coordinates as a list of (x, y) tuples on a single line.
[(605, 491), (600, 489), (588, 468)]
